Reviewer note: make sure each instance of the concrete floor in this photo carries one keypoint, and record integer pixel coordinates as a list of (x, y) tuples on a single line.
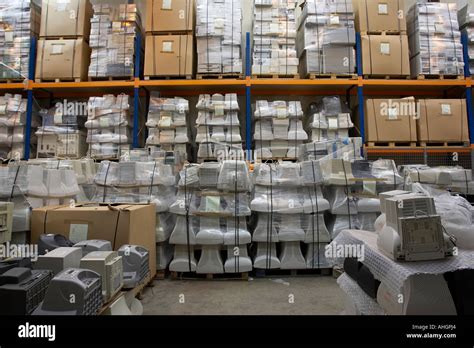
[(262, 296)]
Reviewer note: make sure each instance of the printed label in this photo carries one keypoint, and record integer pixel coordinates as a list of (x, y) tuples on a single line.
[(384, 48), (445, 109), (57, 49), (166, 5), (383, 9), (78, 232), (167, 46)]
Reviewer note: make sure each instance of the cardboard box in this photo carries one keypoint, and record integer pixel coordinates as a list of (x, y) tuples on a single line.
[(385, 55), (66, 19), (442, 120), (390, 120), (62, 59), (169, 16), (169, 55), (380, 15), (120, 224)]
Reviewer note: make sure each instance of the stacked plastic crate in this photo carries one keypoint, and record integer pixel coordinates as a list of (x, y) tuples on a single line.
[(326, 39), (13, 126), (290, 212), (167, 125), (148, 182), (218, 128), (278, 129), (20, 20), (466, 24), (108, 126), (114, 28), (212, 208), (62, 133), (274, 39), (219, 37), (435, 40), (328, 119)]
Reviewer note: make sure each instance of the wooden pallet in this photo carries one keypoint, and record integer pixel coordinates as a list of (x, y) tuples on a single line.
[(265, 273), (167, 33), (110, 78), (331, 76), (391, 144), (384, 32), (197, 276), (219, 76), (276, 76), (59, 80), (387, 77), (161, 274), (439, 77), (12, 80), (152, 78), (444, 144)]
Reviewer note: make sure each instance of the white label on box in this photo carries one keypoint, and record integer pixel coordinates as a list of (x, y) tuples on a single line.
[(78, 232), (333, 20), (166, 5), (9, 36), (446, 109), (103, 122), (384, 48), (332, 123), (383, 9), (392, 113), (370, 187), (167, 46), (219, 110), (57, 49)]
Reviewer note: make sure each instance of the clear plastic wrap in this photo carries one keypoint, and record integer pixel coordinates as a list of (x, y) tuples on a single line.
[(165, 223), (285, 174), (435, 39), (349, 148), (20, 21), (114, 28), (340, 223), (326, 37), (219, 36), (274, 38)]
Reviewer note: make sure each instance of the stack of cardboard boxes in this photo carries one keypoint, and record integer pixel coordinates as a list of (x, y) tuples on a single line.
[(114, 29), (169, 39), (63, 49), (19, 21), (382, 25), (425, 121), (326, 38), (435, 39)]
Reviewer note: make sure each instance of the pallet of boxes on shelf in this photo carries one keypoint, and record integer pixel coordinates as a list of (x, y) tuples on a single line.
[(169, 45), (62, 133), (211, 207), (39, 183), (466, 25), (278, 130), (114, 30), (328, 119), (326, 39), (218, 128), (274, 39), (219, 38), (13, 127), (150, 181), (384, 42), (435, 41), (20, 21), (168, 125), (108, 126), (63, 48)]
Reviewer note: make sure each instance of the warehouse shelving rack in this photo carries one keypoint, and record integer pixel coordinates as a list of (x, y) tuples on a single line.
[(248, 87)]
